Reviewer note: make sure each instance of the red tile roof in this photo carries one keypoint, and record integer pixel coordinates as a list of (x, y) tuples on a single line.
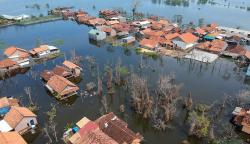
[(216, 46), (117, 129), (6, 63), (61, 85), (4, 102)]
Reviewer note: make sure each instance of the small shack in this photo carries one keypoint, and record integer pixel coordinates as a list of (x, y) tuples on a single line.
[(73, 68), (128, 40), (97, 35)]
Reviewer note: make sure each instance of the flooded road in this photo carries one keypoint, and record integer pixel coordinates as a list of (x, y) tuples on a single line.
[(207, 82)]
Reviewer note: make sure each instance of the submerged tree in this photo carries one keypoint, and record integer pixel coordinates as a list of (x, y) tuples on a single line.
[(167, 95), (199, 124), (141, 100), (52, 124), (189, 102), (109, 79)]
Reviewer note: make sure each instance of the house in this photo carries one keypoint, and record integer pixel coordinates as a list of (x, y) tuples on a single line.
[(97, 35), (61, 87), (117, 129), (149, 43), (241, 118), (11, 138), (119, 18), (142, 24), (8, 65), (19, 119), (6, 103), (87, 132), (234, 51), (185, 41), (128, 40), (215, 46), (18, 55), (44, 51), (73, 68), (58, 70), (107, 13), (108, 30)]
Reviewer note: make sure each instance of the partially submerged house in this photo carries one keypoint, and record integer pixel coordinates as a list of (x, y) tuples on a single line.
[(18, 55), (97, 35), (44, 51), (73, 68), (108, 129), (97, 22), (215, 46), (128, 40), (117, 129), (11, 138), (8, 65), (61, 88), (149, 43), (185, 41), (108, 30), (68, 70), (6, 104), (87, 132), (241, 118), (19, 119)]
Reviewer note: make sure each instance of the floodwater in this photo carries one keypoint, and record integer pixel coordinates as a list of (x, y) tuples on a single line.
[(207, 83)]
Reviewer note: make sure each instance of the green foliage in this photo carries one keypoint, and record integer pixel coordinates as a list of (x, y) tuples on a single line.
[(68, 126), (57, 42), (52, 113), (201, 108), (123, 70), (2, 44), (199, 123)]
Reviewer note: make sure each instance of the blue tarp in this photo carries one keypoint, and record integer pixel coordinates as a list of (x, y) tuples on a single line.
[(4, 110), (207, 37), (75, 129)]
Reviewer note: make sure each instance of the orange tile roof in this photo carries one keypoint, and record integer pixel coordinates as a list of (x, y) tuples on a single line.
[(150, 43), (21, 52), (7, 63), (188, 38), (163, 22), (213, 46), (70, 65), (59, 84), (16, 114), (39, 49), (171, 36), (247, 54), (99, 21), (11, 138)]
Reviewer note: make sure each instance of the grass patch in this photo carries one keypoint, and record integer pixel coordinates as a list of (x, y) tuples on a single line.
[(123, 71), (57, 42), (147, 53)]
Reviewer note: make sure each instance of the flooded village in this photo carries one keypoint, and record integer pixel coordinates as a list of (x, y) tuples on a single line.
[(124, 72)]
